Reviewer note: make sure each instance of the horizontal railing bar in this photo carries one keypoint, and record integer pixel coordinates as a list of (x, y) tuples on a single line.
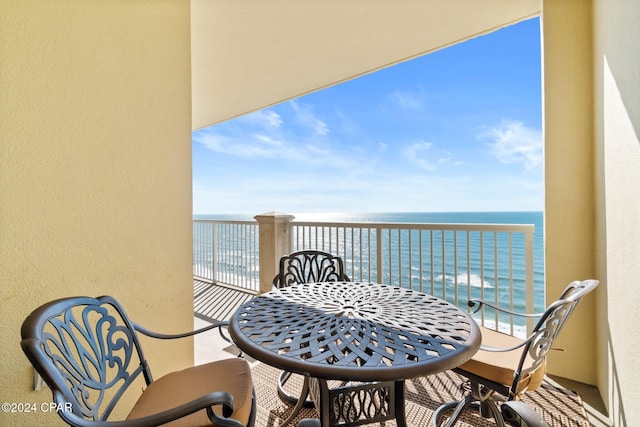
[(422, 226), (225, 221)]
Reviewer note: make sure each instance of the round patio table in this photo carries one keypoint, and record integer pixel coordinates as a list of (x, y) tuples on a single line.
[(355, 331)]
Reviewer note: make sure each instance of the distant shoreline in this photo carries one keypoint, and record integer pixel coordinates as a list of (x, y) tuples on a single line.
[(350, 216)]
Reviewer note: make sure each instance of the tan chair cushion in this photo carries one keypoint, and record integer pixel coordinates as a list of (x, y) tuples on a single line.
[(500, 366), (231, 375)]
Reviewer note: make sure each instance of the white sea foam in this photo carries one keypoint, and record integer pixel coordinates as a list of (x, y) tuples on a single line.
[(519, 331), (473, 280)]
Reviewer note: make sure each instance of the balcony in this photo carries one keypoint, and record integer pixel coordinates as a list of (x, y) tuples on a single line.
[(213, 301), (453, 261)]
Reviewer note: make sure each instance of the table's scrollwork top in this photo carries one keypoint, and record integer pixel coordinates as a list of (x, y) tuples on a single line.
[(328, 329)]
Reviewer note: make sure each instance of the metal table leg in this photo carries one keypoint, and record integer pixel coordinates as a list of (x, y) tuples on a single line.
[(357, 404), (401, 420)]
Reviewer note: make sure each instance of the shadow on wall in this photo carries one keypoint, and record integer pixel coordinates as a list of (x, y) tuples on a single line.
[(616, 405), (618, 47)]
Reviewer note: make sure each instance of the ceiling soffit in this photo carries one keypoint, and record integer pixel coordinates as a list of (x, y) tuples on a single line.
[(251, 54)]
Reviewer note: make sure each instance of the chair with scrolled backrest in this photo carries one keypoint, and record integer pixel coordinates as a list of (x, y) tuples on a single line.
[(309, 266), (88, 352), (506, 366), (306, 266)]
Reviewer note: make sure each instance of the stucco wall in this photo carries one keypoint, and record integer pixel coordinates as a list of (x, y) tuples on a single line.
[(592, 117), (95, 170), (569, 177), (617, 155)]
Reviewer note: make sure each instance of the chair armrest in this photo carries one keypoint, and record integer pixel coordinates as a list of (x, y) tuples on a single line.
[(160, 336), (521, 414), (205, 402), (480, 303), (524, 342), (309, 422), (502, 349)]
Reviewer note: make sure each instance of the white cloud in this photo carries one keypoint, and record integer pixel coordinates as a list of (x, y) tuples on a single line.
[(305, 116), (267, 146), (262, 118), (409, 100), (267, 140), (513, 142), (253, 146), (345, 124), (269, 135), (417, 155), (257, 134), (422, 155)]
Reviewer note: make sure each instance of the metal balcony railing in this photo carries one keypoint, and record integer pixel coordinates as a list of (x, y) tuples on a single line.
[(227, 252), (455, 262)]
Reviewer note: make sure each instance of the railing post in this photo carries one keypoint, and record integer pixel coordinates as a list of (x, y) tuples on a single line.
[(214, 241), (529, 278), (379, 266), (275, 241)]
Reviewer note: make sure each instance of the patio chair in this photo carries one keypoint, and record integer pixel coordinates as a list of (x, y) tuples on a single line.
[(505, 366), (309, 266), (88, 352), (306, 266)]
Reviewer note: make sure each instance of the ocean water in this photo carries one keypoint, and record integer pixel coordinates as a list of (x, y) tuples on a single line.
[(462, 276), (474, 275)]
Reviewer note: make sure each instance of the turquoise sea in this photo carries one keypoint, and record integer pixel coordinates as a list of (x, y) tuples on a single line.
[(444, 280)]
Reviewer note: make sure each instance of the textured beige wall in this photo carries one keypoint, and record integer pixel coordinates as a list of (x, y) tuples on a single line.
[(592, 117), (95, 170), (617, 132), (569, 177)]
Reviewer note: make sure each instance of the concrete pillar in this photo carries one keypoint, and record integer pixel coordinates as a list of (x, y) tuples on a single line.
[(569, 178), (275, 241)]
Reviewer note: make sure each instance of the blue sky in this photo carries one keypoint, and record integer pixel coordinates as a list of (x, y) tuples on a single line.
[(456, 130)]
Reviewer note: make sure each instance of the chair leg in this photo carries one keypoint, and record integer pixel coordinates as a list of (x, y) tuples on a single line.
[(459, 407), (485, 401), (282, 380), (490, 410), (296, 410)]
